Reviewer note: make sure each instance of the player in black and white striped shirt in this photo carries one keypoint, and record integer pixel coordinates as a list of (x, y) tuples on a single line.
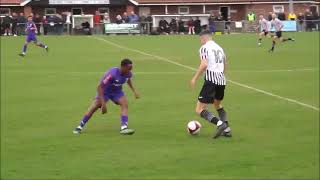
[(278, 25), (213, 62)]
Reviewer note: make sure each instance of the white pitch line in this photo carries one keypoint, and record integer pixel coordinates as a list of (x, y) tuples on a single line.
[(191, 68), (275, 70), (154, 72), (92, 72)]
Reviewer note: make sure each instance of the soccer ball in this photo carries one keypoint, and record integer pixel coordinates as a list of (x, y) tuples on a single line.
[(194, 127)]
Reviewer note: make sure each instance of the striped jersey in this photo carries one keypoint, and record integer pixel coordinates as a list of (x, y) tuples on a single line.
[(215, 56), (277, 24), (264, 25)]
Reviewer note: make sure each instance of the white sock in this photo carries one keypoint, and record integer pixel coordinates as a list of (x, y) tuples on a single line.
[(124, 127), (219, 123)]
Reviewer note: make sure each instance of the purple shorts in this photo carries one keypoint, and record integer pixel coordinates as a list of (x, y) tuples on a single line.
[(31, 38), (114, 96)]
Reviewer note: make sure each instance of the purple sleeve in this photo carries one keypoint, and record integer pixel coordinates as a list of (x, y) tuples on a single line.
[(107, 78)]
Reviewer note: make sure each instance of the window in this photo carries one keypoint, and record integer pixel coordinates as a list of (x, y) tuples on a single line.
[(50, 11), (183, 10), (278, 8), (4, 11), (76, 11), (103, 10)]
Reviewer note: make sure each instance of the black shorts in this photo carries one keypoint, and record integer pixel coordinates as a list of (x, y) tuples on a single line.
[(6, 26), (210, 92), (279, 34), (265, 32)]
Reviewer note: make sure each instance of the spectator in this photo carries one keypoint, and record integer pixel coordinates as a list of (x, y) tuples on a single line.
[(106, 18), (163, 26), (45, 24), (143, 26), (251, 17), (59, 24), (7, 21), (181, 28), (173, 26), (51, 21), (282, 16), (211, 20), (21, 22), (308, 18), (292, 16), (149, 22), (190, 26), (228, 24), (14, 24), (270, 16), (197, 25), (300, 22), (86, 28), (119, 19), (219, 17), (133, 18), (37, 20), (316, 19), (125, 17), (97, 23)]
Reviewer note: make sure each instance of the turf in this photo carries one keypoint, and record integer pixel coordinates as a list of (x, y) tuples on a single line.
[(44, 95)]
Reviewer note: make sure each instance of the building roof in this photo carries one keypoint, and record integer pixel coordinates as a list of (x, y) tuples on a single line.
[(14, 2), (10, 2), (153, 2)]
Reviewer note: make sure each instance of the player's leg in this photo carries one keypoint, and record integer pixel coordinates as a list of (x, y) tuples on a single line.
[(25, 46), (123, 103), (201, 109), (286, 39), (274, 39), (206, 96), (260, 38), (219, 95), (91, 110), (40, 44), (223, 116)]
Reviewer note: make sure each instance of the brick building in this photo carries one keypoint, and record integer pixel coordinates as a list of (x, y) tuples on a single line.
[(237, 9)]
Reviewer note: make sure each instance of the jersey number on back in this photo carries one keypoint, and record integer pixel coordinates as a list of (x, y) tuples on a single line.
[(219, 56)]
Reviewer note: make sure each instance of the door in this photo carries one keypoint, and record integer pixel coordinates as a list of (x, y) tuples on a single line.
[(225, 12)]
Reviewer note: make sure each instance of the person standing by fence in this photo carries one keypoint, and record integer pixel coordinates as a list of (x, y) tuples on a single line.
[(251, 17), (97, 23), (300, 22)]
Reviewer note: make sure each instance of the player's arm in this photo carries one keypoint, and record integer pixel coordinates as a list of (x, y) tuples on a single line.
[(225, 64), (34, 27), (100, 91), (202, 67), (136, 94)]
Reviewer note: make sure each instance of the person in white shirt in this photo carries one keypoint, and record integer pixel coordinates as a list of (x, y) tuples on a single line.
[(278, 25), (213, 61), (264, 27)]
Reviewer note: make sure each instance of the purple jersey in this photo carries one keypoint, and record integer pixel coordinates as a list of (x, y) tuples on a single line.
[(112, 81), (31, 29)]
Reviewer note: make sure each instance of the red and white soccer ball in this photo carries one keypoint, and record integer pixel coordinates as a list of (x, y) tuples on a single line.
[(194, 127)]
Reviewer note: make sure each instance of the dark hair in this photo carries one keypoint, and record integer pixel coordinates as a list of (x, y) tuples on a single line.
[(126, 62), (205, 32)]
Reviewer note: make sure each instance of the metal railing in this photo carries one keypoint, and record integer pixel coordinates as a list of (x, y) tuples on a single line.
[(148, 28)]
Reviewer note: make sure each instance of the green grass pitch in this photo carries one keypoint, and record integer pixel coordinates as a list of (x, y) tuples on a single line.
[(44, 95)]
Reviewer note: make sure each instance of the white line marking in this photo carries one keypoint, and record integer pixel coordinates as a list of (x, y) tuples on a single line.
[(90, 72), (191, 68), (275, 70)]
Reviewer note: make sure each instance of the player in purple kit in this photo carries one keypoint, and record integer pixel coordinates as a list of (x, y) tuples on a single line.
[(31, 31), (110, 88)]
